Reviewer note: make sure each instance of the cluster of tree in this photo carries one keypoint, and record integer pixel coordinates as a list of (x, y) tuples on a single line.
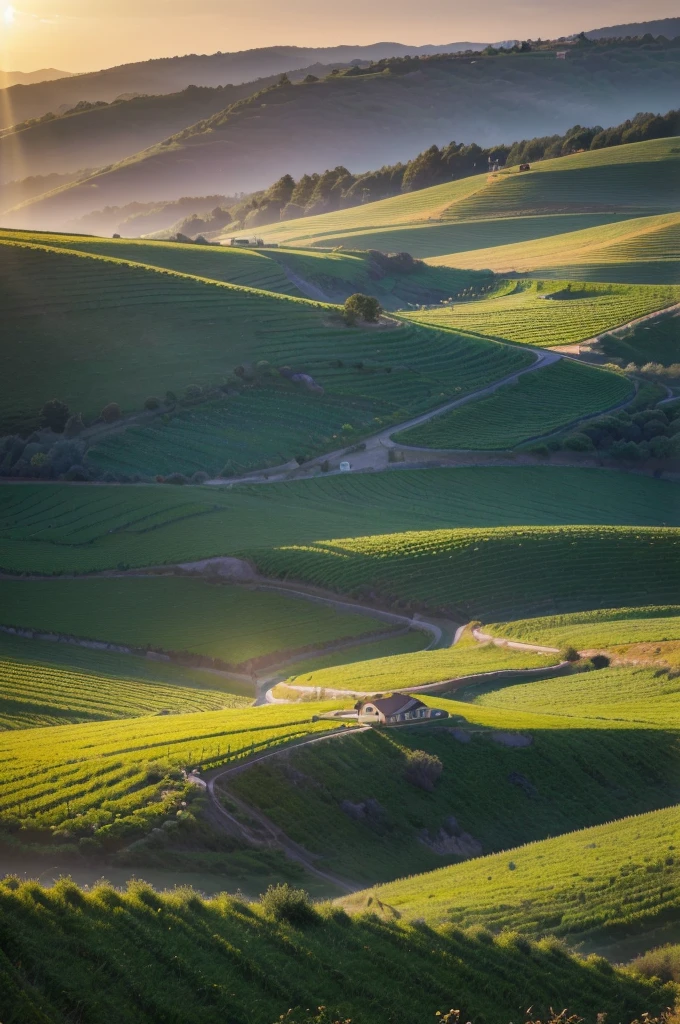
[(339, 189), (632, 437)]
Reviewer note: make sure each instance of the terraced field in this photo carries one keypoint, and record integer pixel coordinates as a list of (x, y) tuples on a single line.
[(638, 696), (603, 627), (33, 693), (204, 329), (590, 885), (547, 313), (537, 404), (229, 623), (406, 670), (49, 528), (494, 574), (120, 779), (643, 250)]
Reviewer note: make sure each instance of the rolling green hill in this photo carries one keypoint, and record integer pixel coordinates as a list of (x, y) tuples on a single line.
[(592, 885), (205, 328), (658, 342), (596, 628), (54, 684), (114, 956), (231, 624), (548, 313), (54, 527), (638, 251), (493, 574), (370, 119)]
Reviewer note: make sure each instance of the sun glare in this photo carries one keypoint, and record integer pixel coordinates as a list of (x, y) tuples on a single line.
[(9, 14)]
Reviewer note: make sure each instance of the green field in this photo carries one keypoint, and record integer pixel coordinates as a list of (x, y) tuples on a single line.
[(117, 780), (548, 313), (403, 671), (658, 342), (493, 574), (643, 250), (576, 774), (50, 528), (537, 404), (637, 696), (132, 956), (591, 885), (229, 623), (599, 628), (205, 329), (54, 684), (406, 643)]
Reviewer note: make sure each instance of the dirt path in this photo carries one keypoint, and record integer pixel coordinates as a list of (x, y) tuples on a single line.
[(486, 638), (264, 832)]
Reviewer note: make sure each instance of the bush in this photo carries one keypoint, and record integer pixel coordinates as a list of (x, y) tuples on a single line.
[(626, 450), (284, 903), (578, 443), (600, 661), (76, 473), (176, 478), (152, 402), (199, 477), (569, 654), (111, 412), (54, 415), (74, 425), (422, 769)]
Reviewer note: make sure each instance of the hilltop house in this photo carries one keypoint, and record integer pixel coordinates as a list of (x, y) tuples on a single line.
[(398, 707)]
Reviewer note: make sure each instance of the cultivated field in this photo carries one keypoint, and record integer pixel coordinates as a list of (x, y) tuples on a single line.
[(229, 623), (117, 780), (657, 342), (537, 404), (643, 250), (598, 628), (637, 696), (493, 574), (236, 960), (50, 528), (547, 313), (417, 669)]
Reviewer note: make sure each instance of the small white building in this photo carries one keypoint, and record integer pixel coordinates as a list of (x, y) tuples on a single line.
[(345, 467), (398, 707)]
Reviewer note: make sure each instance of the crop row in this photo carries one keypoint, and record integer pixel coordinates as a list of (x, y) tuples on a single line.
[(537, 404), (233, 624), (596, 628), (494, 574)]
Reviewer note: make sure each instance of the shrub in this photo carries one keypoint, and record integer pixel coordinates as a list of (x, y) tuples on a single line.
[(152, 402), (76, 473), (422, 769), (361, 307), (176, 478), (284, 903), (111, 412), (600, 661), (578, 443), (54, 415), (74, 425), (39, 460), (627, 450), (199, 477), (569, 654)]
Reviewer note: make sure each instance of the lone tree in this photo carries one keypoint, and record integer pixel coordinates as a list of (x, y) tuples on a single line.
[(54, 415), (361, 307)]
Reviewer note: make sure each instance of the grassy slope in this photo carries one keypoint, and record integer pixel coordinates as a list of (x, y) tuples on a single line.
[(416, 669), (204, 329), (50, 528), (231, 623), (528, 313), (598, 188), (658, 342), (52, 684), (599, 883), (494, 574), (539, 403), (638, 251), (576, 772), (596, 628), (636, 696), (241, 966), (117, 780)]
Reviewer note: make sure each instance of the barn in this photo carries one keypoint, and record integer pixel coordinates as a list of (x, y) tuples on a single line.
[(398, 707)]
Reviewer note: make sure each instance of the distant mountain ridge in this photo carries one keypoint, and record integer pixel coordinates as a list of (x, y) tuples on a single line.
[(668, 27), (366, 118), (8, 78), (172, 74)]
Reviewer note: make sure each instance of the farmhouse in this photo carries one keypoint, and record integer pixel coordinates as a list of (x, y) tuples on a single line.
[(398, 707)]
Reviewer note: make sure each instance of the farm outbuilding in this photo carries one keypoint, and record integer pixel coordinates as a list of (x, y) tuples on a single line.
[(398, 707)]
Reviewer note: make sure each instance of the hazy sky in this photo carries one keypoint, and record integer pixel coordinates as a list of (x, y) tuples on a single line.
[(81, 35)]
